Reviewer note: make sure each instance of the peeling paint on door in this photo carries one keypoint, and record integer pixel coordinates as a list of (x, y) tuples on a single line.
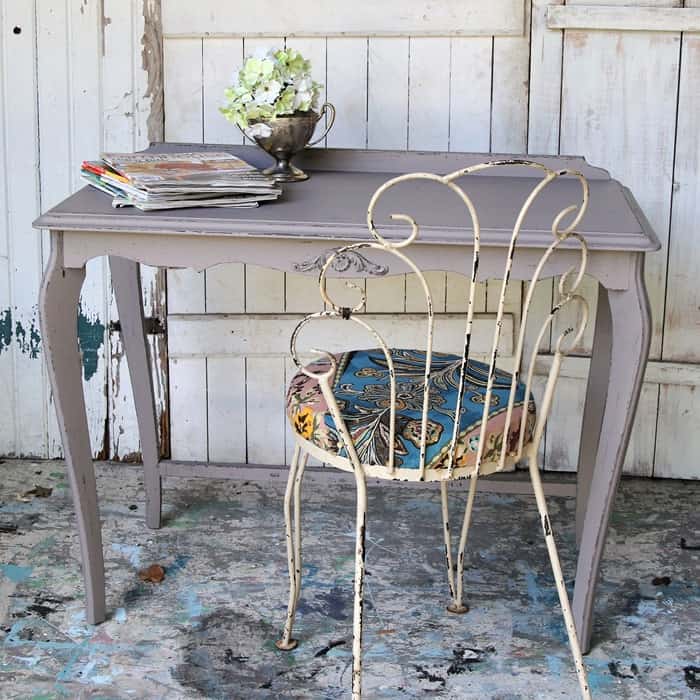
[(5, 330), (26, 334), (27, 338), (91, 337), (152, 63)]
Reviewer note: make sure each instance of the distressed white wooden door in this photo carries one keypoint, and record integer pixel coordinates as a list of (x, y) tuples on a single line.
[(74, 81), (615, 81)]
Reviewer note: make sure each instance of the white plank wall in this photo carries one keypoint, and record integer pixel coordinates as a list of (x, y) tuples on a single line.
[(21, 245), (55, 111), (541, 92), (679, 405), (544, 91), (269, 18), (126, 110), (71, 134)]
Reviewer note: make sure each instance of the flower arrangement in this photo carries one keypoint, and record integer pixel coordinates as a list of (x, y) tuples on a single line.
[(270, 84)]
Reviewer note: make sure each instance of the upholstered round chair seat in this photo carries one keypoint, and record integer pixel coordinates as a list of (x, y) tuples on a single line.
[(361, 387)]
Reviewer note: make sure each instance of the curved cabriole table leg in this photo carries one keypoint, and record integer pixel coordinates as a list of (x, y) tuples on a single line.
[(126, 281), (620, 350), (58, 304)]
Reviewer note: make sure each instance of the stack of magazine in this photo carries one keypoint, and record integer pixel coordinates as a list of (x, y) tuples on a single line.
[(152, 181)]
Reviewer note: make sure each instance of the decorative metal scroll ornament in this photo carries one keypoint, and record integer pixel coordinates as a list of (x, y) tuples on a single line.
[(342, 261)]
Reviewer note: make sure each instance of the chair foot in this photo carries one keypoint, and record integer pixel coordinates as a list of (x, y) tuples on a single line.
[(457, 609), (287, 646), (455, 576)]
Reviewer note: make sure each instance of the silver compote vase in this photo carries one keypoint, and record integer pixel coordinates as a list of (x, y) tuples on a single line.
[(283, 137)]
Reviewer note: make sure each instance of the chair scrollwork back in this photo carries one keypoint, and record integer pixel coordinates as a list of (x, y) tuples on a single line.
[(396, 246)]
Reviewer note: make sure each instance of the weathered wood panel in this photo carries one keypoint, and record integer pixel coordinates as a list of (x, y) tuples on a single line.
[(429, 95), (184, 89), (346, 89), (546, 48), (184, 121), (679, 406), (387, 93), (86, 139), (188, 408), (340, 18), (221, 61), (182, 76), (7, 407), (22, 187), (126, 110), (681, 340), (619, 119), (267, 335), (632, 19), (226, 409), (510, 86), (54, 57), (470, 94)]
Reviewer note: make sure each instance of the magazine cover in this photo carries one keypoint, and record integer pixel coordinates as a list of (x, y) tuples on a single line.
[(170, 168)]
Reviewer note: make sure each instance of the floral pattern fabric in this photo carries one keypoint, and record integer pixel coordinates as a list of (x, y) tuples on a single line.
[(362, 389)]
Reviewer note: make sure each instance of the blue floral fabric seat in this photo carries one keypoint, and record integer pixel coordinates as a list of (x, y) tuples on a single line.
[(362, 389)]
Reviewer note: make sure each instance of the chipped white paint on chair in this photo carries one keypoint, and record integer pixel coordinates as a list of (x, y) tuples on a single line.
[(444, 473)]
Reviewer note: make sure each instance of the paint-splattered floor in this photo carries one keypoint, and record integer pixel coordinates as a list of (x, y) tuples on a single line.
[(208, 629)]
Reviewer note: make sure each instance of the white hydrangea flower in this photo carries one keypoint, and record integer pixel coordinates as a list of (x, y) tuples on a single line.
[(302, 100), (303, 84), (271, 82), (267, 93)]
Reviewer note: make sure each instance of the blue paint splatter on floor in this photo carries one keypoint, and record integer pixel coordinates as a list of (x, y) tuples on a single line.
[(132, 552), (192, 604), (15, 573)]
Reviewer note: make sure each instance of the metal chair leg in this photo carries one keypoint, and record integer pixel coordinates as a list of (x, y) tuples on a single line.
[(457, 591), (296, 473), (361, 518), (448, 538), (558, 576), (303, 459)]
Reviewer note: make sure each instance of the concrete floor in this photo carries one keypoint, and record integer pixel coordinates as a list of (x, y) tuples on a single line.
[(207, 630)]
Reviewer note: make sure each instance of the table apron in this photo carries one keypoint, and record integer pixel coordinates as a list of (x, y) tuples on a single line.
[(612, 268)]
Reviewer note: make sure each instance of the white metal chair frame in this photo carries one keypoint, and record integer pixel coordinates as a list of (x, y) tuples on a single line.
[(567, 295)]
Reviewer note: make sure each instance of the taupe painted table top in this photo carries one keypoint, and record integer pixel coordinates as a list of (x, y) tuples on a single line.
[(332, 204)]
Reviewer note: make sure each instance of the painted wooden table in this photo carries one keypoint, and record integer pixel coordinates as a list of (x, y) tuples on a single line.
[(294, 234)]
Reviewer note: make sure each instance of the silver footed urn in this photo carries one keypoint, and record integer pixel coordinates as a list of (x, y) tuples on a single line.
[(284, 136)]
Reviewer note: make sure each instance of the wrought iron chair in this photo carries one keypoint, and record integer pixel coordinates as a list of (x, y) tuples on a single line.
[(392, 413)]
